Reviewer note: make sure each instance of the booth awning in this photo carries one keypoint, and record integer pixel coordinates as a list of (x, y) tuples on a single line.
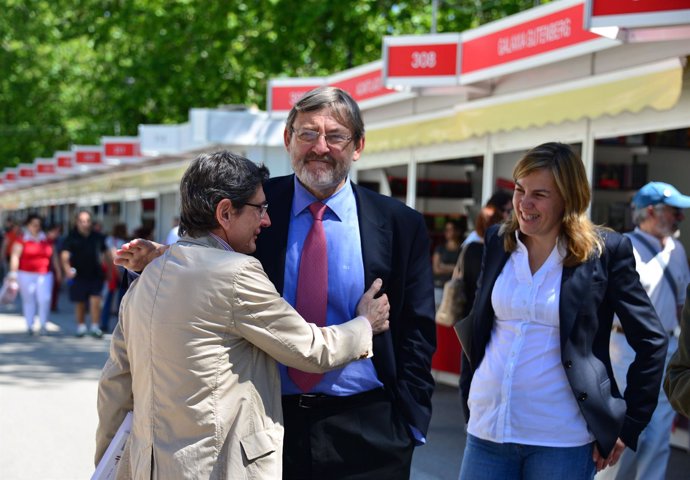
[(656, 86)]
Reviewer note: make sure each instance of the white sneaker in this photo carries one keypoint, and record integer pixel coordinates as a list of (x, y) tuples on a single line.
[(95, 332), (81, 330)]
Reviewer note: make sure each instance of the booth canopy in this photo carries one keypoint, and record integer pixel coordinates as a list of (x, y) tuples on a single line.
[(656, 86)]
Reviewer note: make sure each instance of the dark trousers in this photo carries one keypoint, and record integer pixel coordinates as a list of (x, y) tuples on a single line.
[(360, 437), (106, 311), (55, 295)]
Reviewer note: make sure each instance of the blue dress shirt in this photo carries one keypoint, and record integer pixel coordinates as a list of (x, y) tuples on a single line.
[(345, 281)]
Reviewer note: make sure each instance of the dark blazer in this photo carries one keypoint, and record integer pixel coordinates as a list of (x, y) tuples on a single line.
[(591, 293), (395, 248)]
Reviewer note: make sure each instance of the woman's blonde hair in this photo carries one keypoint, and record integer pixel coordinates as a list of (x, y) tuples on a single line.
[(582, 240)]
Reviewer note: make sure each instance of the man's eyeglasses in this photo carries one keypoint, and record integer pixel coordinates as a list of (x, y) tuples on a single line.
[(336, 140), (262, 208)]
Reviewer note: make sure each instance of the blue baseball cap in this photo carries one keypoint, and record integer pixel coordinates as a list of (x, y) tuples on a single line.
[(659, 192)]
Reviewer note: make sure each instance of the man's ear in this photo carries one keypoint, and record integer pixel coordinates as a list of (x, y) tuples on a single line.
[(224, 212), (359, 146), (286, 137)]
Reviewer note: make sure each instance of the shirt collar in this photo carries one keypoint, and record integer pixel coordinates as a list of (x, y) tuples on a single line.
[(561, 249), (27, 237), (222, 242), (337, 203), (654, 240)]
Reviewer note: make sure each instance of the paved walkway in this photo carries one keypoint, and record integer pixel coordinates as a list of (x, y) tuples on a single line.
[(48, 408), (47, 399)]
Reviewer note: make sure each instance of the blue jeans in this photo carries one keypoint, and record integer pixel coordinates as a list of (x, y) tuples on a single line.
[(107, 308), (513, 461)]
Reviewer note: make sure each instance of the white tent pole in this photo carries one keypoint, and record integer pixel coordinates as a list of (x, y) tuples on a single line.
[(488, 181), (588, 156), (411, 183)]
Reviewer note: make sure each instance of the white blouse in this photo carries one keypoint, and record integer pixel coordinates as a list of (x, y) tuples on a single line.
[(519, 392)]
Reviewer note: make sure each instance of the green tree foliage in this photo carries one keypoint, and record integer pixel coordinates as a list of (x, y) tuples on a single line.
[(73, 71)]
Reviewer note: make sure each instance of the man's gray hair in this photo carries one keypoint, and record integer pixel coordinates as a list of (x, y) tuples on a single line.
[(640, 214), (210, 178), (341, 105)]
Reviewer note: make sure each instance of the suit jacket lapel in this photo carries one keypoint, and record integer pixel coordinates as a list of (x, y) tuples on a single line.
[(273, 241), (376, 237), (574, 284), (495, 257)]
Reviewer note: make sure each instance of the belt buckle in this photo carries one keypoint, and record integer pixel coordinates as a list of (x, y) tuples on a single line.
[(304, 400)]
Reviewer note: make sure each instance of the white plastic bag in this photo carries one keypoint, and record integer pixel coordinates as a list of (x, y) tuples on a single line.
[(8, 292)]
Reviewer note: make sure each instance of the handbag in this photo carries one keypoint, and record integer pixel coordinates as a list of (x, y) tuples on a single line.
[(8, 292), (454, 299), (464, 329)]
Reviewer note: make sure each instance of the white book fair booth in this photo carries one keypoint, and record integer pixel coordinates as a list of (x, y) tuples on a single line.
[(447, 116)]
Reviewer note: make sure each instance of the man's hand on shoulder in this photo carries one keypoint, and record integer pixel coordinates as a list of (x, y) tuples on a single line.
[(138, 253)]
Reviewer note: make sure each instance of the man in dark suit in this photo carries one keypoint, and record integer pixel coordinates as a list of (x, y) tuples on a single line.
[(362, 421)]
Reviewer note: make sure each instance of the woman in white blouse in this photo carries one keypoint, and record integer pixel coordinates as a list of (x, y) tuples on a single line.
[(543, 401)]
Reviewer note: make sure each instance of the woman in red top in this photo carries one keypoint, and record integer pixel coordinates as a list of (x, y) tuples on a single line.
[(30, 261)]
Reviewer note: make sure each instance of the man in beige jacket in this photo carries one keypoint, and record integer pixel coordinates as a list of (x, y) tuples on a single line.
[(194, 354)]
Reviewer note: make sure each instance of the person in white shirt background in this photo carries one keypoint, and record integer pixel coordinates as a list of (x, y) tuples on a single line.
[(662, 264), (173, 236)]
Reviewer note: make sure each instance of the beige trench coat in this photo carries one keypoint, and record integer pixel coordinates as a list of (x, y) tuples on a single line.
[(193, 357)]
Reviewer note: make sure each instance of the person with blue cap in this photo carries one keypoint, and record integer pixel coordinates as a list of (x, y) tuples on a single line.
[(663, 268)]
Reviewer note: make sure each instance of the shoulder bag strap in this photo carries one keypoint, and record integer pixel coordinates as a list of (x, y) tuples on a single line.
[(667, 274), (459, 265)]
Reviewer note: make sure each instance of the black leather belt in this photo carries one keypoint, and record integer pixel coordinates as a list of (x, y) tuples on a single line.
[(319, 400)]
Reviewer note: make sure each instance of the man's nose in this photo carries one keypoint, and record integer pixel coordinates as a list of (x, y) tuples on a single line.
[(321, 146), (266, 221)]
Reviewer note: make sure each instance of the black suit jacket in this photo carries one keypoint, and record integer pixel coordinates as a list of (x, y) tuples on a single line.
[(395, 248), (591, 293)]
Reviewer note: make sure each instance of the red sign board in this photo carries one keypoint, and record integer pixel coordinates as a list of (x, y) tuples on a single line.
[(283, 97), (11, 176), (366, 86), (25, 172), (122, 149), (46, 168), (636, 13), (621, 7), (88, 157), (422, 60), (542, 35), (362, 83), (64, 161), (552, 32)]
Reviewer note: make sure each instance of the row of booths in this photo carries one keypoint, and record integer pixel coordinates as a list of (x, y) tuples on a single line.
[(446, 115)]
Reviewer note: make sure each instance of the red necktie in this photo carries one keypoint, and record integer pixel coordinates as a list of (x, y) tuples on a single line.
[(312, 287)]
